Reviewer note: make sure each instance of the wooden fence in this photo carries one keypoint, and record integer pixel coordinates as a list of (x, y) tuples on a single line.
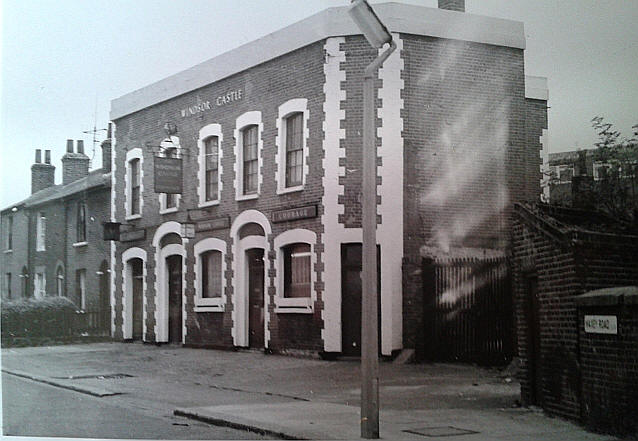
[(467, 310)]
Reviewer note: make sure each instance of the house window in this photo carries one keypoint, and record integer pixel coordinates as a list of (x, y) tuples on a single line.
[(9, 243), (209, 275), (294, 150), (59, 282), (296, 270), (211, 262), (40, 284), (41, 232), (134, 167), (81, 222), (211, 164), (250, 159), (80, 287), (294, 276), (7, 285)]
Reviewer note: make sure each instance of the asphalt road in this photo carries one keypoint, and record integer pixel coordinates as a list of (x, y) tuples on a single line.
[(30, 408)]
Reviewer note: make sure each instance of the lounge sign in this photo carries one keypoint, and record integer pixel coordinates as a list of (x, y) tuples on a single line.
[(168, 175), (213, 224), (601, 324), (295, 214)]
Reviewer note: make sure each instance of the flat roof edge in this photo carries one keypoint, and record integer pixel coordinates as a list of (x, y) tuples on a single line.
[(331, 22)]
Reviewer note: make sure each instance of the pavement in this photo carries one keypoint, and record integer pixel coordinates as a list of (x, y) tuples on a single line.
[(292, 397)]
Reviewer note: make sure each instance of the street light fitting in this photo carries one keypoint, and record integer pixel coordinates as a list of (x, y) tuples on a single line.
[(367, 21)]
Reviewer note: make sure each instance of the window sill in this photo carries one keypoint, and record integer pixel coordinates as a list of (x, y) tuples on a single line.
[(290, 189), (209, 308), (293, 309), (8, 251), (247, 197), (208, 204), (169, 210), (80, 244), (133, 217), (41, 249)]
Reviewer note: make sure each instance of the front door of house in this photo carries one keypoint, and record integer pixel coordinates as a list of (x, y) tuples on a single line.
[(255, 259), (351, 292), (174, 268), (137, 291)]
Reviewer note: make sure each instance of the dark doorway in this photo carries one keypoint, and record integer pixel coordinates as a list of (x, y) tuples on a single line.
[(351, 291), (105, 300), (534, 340), (174, 269), (137, 277), (255, 259)]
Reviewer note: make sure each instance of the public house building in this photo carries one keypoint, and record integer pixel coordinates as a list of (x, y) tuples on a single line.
[(236, 183)]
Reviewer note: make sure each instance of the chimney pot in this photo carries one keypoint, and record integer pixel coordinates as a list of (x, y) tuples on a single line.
[(69, 146), (80, 146), (47, 156), (38, 156), (452, 5)]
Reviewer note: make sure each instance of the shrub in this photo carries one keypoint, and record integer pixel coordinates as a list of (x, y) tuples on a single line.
[(50, 316)]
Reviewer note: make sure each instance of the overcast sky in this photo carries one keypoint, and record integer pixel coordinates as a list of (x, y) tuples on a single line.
[(64, 59)]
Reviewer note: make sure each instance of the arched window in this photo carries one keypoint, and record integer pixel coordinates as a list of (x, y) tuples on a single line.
[(209, 274), (292, 150), (134, 183)]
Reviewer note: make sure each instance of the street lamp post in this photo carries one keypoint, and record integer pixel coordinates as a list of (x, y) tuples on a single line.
[(377, 35)]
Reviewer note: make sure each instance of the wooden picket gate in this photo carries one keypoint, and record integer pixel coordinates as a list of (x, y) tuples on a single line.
[(467, 310)]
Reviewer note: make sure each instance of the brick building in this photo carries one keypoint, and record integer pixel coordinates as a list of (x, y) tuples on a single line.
[(565, 264), (269, 136), (52, 241)]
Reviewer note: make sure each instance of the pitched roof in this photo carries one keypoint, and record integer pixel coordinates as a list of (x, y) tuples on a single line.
[(94, 179)]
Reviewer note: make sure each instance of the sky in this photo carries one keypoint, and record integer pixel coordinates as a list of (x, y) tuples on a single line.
[(63, 61)]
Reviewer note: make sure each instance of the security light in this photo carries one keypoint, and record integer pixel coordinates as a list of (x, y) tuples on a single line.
[(367, 21)]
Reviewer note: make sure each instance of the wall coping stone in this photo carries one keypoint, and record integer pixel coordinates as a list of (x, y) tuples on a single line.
[(622, 295)]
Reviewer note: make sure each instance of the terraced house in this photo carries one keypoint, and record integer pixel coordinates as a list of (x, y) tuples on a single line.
[(236, 183)]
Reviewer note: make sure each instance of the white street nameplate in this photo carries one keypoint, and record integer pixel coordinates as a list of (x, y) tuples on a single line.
[(601, 324)]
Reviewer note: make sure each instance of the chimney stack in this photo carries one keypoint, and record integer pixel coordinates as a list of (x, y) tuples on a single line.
[(42, 175), (74, 165), (452, 5), (107, 146)]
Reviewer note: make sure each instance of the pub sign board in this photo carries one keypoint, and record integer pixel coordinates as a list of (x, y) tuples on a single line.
[(167, 175), (295, 214), (219, 223), (601, 324)]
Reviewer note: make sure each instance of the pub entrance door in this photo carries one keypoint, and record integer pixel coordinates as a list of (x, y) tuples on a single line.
[(174, 269), (255, 261)]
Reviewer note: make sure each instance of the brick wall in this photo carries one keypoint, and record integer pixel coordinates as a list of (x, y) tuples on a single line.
[(466, 156), (563, 271), (13, 261), (609, 369), (264, 88), (535, 122)]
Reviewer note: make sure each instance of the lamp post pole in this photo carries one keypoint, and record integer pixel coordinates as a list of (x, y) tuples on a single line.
[(369, 306), (377, 35)]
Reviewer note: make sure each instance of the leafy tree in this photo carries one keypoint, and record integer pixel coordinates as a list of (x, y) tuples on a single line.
[(616, 191)]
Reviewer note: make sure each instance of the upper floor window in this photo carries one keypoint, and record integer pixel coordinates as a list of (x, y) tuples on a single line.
[(41, 232), (211, 168), (9, 242), (81, 222), (292, 149), (135, 186), (134, 183), (80, 287), (250, 161), (170, 148)]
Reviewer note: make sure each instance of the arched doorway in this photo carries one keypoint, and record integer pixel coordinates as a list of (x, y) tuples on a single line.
[(250, 232), (134, 289), (170, 260)]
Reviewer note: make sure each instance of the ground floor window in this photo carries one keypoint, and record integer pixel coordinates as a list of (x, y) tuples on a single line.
[(296, 270), (211, 274), (80, 286)]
